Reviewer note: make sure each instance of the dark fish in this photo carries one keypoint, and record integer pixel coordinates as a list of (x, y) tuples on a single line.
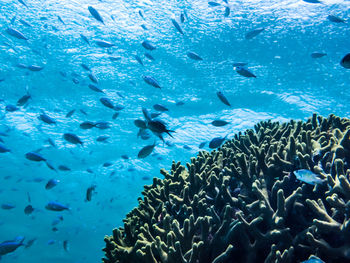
[(102, 125), (219, 123), (85, 39), (89, 192), (84, 66), (23, 3), (113, 59), (115, 115), (3, 149), (65, 245), (25, 23), (11, 108), (125, 157), (60, 19), (227, 11), (72, 138), (149, 56), (159, 107), (158, 127), (145, 151), (148, 45), (213, 4), (15, 33), (23, 100), (109, 104), (177, 26), (318, 55), (55, 206), (95, 88), (223, 98), (47, 119), (63, 168), (144, 27), (239, 64), (345, 62), (35, 157), (51, 184), (51, 142), (93, 78), (144, 134), (335, 19), (151, 81), (216, 142), (313, 1), (95, 14), (202, 144), (9, 246), (102, 138), (182, 17), (194, 56), (140, 124), (87, 125), (30, 243), (180, 103), (245, 72), (155, 114), (28, 210), (254, 33), (35, 68), (70, 113), (7, 206), (146, 114), (103, 43), (138, 59)]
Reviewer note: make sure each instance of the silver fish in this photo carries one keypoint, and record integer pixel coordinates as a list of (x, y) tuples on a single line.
[(15, 33), (95, 14), (254, 33), (307, 176)]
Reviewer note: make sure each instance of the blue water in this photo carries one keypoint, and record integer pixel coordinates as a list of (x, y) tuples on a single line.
[(289, 84)]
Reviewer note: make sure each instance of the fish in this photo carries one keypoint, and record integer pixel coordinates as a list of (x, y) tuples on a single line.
[(93, 78), (35, 68), (335, 19), (345, 62), (47, 119), (151, 81), (160, 107), (15, 33), (138, 59), (55, 206), (35, 157), (213, 4), (313, 259), (30, 243), (318, 54), (95, 14), (9, 246), (307, 176), (182, 17), (25, 23), (115, 115), (193, 56), (313, 1), (145, 151), (109, 104), (177, 26), (141, 14), (61, 20), (144, 134), (7, 206), (28, 210), (83, 37), (148, 45), (222, 98), (84, 66), (72, 138), (144, 27), (102, 138), (140, 124), (89, 192), (103, 43), (216, 142), (254, 33), (146, 114), (245, 72), (125, 157), (70, 113), (95, 88), (155, 114), (219, 123), (102, 125), (180, 103), (65, 245), (11, 108), (157, 126), (87, 125), (63, 168), (4, 149), (149, 56), (113, 59), (51, 184), (23, 100), (227, 11), (202, 144)]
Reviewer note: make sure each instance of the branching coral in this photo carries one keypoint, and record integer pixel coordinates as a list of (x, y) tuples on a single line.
[(241, 203)]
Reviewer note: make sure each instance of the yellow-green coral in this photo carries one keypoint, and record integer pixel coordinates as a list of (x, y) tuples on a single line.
[(241, 203)]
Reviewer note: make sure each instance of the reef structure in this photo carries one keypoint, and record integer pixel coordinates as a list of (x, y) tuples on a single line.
[(242, 202)]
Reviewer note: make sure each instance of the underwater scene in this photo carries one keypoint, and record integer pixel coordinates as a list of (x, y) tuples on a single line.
[(175, 131)]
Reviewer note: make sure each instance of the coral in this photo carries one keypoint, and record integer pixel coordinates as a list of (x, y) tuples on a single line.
[(242, 203)]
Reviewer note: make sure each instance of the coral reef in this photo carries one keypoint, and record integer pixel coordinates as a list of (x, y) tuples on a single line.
[(242, 203)]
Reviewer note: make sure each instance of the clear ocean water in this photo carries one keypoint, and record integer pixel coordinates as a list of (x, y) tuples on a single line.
[(289, 84)]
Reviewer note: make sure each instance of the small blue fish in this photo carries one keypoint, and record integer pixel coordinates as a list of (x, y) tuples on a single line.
[(93, 78), (138, 59), (345, 62), (254, 33), (245, 72), (109, 104), (72, 138), (85, 39), (95, 88), (4, 149), (160, 107), (47, 119), (7, 206), (11, 108), (145, 151), (25, 23), (222, 98), (318, 54), (35, 157), (55, 206), (103, 43), (63, 168), (313, 259), (307, 176), (35, 68), (177, 26), (95, 14), (148, 45), (15, 33), (216, 142), (51, 184), (149, 56), (23, 3), (194, 56), (9, 246), (28, 209), (335, 19), (151, 81)]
